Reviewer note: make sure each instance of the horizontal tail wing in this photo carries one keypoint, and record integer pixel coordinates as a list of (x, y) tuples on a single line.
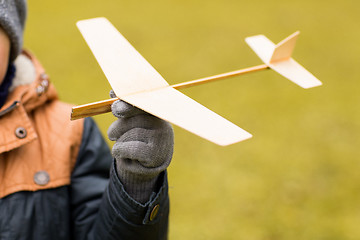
[(175, 107), (278, 58), (295, 73), (262, 46)]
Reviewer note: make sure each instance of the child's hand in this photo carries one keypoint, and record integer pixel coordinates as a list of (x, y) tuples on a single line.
[(143, 148)]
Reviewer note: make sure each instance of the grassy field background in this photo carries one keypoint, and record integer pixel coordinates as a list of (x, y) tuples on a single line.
[(298, 177)]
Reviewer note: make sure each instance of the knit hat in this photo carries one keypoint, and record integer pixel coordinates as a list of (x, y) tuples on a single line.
[(12, 20)]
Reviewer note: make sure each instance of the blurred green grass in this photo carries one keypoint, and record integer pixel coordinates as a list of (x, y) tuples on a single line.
[(298, 178)]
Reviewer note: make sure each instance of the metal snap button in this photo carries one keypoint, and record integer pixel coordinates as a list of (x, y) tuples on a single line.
[(20, 132), (44, 76), (40, 90), (41, 178), (154, 212), (45, 83)]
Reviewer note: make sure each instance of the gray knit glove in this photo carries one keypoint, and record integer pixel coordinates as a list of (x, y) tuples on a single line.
[(143, 148)]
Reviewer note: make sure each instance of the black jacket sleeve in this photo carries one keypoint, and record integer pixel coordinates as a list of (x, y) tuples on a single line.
[(101, 209)]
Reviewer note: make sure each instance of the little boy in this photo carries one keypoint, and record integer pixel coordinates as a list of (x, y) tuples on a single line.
[(54, 174)]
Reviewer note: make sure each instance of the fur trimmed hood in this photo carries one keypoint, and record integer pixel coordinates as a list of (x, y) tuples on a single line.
[(25, 72), (31, 86)]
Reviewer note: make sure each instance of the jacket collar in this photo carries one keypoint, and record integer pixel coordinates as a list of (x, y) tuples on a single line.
[(31, 89)]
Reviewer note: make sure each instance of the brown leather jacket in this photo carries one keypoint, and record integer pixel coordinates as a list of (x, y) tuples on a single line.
[(29, 115)]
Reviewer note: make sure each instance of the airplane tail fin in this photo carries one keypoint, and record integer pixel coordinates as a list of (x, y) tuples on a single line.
[(284, 49), (278, 58)]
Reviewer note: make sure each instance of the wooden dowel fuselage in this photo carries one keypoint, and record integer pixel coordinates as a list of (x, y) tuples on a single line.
[(218, 77), (92, 109)]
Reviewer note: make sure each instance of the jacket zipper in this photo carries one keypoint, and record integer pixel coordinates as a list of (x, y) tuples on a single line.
[(9, 109)]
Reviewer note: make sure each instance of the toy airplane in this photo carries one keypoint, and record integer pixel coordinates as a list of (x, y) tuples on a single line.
[(135, 81)]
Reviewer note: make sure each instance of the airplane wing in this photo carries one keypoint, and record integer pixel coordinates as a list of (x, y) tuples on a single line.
[(278, 58), (135, 81), (175, 107), (126, 70)]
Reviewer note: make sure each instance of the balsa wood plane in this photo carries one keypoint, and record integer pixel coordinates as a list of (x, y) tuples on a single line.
[(136, 82)]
